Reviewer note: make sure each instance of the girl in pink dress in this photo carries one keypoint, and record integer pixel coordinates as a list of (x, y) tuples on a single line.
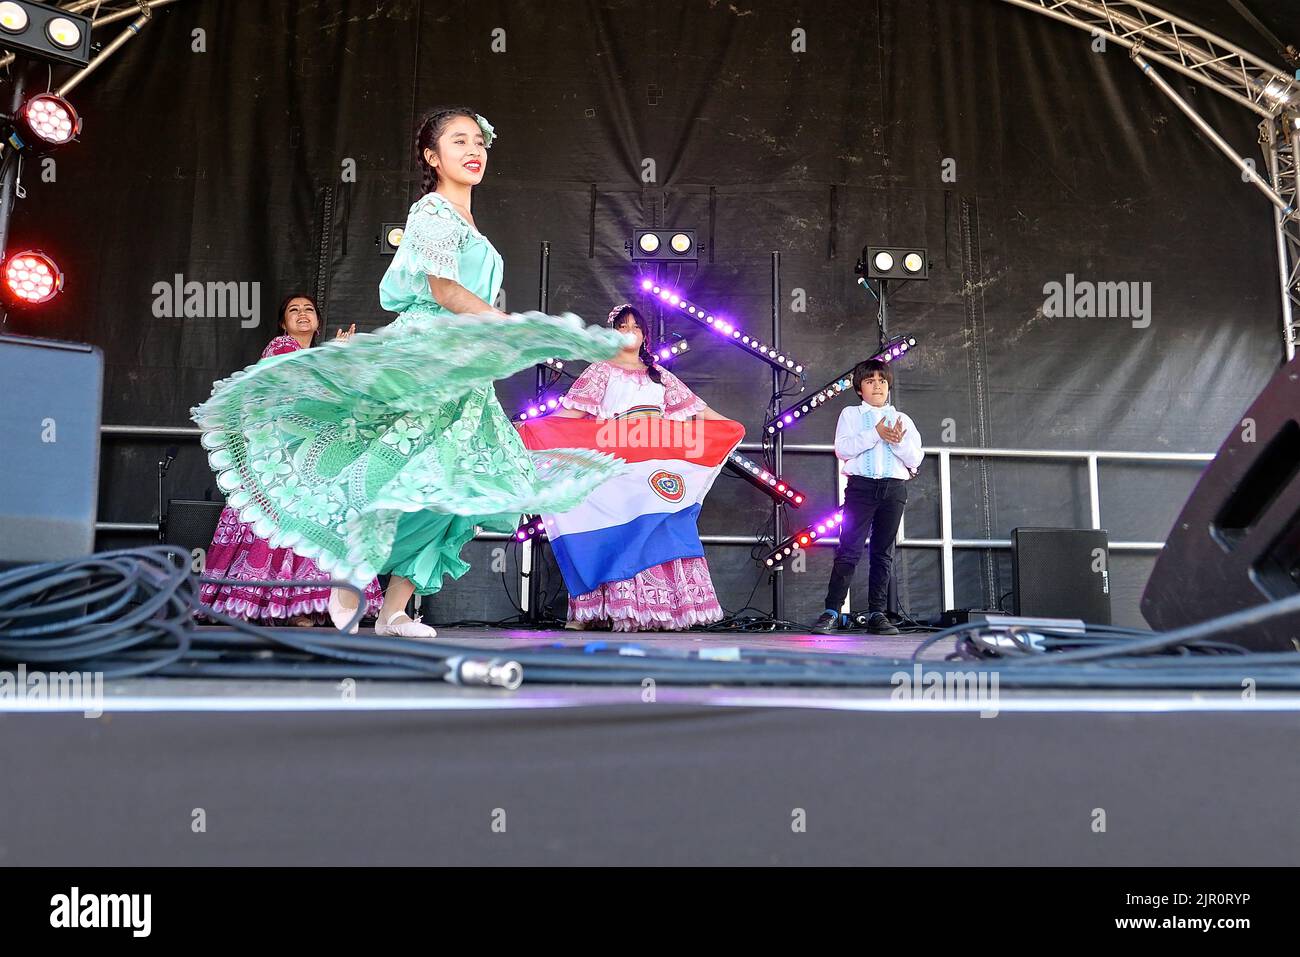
[(236, 552), (675, 595)]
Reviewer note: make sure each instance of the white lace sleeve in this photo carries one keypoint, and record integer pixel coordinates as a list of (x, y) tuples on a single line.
[(432, 241)]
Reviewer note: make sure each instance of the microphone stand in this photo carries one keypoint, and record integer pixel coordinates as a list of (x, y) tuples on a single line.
[(163, 466)]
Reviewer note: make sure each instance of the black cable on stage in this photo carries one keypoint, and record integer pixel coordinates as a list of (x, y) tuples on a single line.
[(1188, 635), (147, 596), (132, 612), (146, 599)]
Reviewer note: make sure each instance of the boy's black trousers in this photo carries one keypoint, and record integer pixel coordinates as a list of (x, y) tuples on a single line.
[(873, 509)]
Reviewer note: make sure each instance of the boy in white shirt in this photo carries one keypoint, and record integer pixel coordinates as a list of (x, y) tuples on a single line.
[(881, 450)]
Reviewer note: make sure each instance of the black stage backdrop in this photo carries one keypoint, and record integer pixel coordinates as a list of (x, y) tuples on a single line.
[(220, 146)]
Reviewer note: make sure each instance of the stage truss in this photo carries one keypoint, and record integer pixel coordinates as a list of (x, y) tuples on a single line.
[(1155, 37)]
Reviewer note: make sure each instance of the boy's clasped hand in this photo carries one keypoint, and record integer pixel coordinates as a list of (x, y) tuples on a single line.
[(891, 434)]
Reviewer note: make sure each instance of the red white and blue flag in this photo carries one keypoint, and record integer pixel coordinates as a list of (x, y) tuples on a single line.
[(648, 514)]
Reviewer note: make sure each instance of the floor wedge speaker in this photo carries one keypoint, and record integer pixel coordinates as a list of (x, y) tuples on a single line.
[(1237, 542)]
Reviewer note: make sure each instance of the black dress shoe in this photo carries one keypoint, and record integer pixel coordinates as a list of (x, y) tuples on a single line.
[(826, 624), (878, 624)]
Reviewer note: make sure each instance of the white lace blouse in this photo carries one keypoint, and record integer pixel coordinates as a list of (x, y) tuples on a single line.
[(606, 391)]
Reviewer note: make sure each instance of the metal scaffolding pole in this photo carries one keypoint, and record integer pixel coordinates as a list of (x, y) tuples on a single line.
[(530, 579), (1247, 167), (778, 508), (9, 160), (1280, 140)]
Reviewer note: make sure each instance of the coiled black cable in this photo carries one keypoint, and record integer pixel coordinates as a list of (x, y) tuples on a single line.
[(132, 612)]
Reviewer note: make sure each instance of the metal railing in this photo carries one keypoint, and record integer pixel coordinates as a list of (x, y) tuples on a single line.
[(946, 543)]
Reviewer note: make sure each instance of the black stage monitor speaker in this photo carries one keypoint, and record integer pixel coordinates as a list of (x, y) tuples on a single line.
[(191, 524), (1237, 542), (1061, 573), (49, 431)]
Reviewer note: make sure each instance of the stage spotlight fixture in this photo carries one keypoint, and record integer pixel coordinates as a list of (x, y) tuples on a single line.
[(44, 122), (892, 350), (45, 32), (549, 402), (32, 278), (63, 33), (773, 485), (13, 18), (894, 262), (805, 538), (663, 245), (390, 237), (751, 344), (51, 119)]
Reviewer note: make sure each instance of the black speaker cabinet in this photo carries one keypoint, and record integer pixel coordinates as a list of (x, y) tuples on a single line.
[(1061, 573), (1237, 542), (49, 433), (191, 524)]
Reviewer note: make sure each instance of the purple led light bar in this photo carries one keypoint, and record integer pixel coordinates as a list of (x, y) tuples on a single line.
[(892, 350), (751, 344), (804, 538), (773, 485)]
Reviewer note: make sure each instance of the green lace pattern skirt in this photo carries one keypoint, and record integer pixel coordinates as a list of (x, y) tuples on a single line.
[(383, 454)]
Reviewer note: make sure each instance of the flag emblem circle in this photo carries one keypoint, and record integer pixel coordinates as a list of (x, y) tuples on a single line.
[(669, 486)]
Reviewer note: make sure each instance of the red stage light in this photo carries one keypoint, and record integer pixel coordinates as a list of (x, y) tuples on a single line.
[(51, 119), (32, 277)]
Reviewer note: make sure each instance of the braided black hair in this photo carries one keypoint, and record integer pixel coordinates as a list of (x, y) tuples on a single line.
[(431, 127)]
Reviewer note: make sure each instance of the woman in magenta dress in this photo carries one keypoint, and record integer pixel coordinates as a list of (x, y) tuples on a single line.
[(674, 595), (236, 552)]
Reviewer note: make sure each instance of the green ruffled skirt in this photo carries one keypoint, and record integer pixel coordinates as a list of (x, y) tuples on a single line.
[(384, 453)]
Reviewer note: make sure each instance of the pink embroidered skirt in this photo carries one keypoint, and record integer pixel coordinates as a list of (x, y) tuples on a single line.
[(238, 553), (668, 597)]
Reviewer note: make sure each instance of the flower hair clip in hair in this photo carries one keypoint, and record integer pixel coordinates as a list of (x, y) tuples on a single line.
[(489, 134)]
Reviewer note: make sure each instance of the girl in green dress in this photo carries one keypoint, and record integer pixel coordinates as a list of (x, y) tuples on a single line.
[(384, 453)]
